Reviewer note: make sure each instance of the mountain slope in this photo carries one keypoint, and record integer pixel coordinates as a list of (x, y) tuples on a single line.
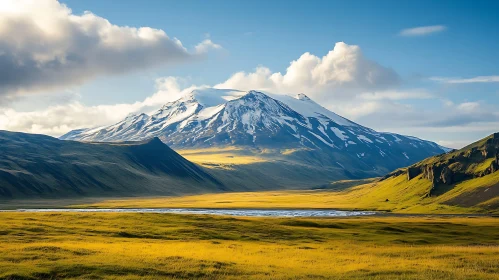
[(41, 166), (262, 121), (464, 178)]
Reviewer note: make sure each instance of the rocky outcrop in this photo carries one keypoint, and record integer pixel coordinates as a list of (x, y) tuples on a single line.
[(446, 176), (485, 153), (438, 174), (429, 172), (494, 166), (444, 171), (413, 172)]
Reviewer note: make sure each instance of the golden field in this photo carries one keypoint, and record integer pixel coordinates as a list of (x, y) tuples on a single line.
[(302, 199), (219, 157), (168, 246)]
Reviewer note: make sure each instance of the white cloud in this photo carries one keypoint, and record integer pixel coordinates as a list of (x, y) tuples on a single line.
[(59, 119), (45, 46), (468, 106), (479, 79), (422, 30), (206, 46), (457, 144), (342, 72), (343, 81)]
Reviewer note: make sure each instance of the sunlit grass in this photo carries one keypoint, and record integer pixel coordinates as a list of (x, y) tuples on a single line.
[(152, 246), (225, 155), (394, 195), (234, 155)]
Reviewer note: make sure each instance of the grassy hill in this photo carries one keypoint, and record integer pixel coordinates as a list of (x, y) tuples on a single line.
[(44, 167), (462, 178)]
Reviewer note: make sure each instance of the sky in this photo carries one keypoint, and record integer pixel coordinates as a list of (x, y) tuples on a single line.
[(423, 68)]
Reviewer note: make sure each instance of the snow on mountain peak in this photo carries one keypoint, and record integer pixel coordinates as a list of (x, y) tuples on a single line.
[(209, 97), (302, 96), (210, 117), (310, 108), (135, 116)]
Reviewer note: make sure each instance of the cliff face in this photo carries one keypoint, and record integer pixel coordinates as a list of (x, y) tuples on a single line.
[(476, 160)]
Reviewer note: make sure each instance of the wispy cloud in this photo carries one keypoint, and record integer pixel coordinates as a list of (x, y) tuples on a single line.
[(422, 30), (478, 79), (207, 45), (397, 95)]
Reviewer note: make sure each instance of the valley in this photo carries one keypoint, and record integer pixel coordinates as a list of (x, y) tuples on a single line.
[(461, 181), (393, 196)]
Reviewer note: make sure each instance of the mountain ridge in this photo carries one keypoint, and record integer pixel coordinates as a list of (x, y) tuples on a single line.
[(41, 166), (207, 118)]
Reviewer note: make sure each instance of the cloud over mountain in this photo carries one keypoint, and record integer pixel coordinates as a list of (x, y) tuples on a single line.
[(58, 119), (344, 81), (343, 70)]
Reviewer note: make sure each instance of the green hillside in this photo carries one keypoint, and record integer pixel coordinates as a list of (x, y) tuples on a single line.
[(39, 166), (464, 178)]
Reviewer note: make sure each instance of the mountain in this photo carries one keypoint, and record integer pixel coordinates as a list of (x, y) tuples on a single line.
[(45, 167), (296, 125), (466, 178)]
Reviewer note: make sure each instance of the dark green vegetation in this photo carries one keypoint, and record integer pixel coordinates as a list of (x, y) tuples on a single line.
[(162, 246), (41, 166)]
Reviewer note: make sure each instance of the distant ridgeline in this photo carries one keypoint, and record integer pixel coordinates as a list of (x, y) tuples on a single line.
[(258, 121), (476, 160)]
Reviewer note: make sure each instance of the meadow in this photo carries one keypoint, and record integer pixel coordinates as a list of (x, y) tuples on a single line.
[(167, 246)]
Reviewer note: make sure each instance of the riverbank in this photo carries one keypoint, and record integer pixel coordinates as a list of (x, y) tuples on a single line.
[(348, 200)]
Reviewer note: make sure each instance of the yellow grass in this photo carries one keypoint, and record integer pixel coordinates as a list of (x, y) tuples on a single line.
[(226, 155), (394, 195), (269, 200), (162, 246)]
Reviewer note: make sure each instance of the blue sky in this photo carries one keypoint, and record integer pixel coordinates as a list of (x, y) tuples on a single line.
[(274, 33)]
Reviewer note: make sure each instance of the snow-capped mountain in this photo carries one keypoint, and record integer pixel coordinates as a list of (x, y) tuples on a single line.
[(215, 117)]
